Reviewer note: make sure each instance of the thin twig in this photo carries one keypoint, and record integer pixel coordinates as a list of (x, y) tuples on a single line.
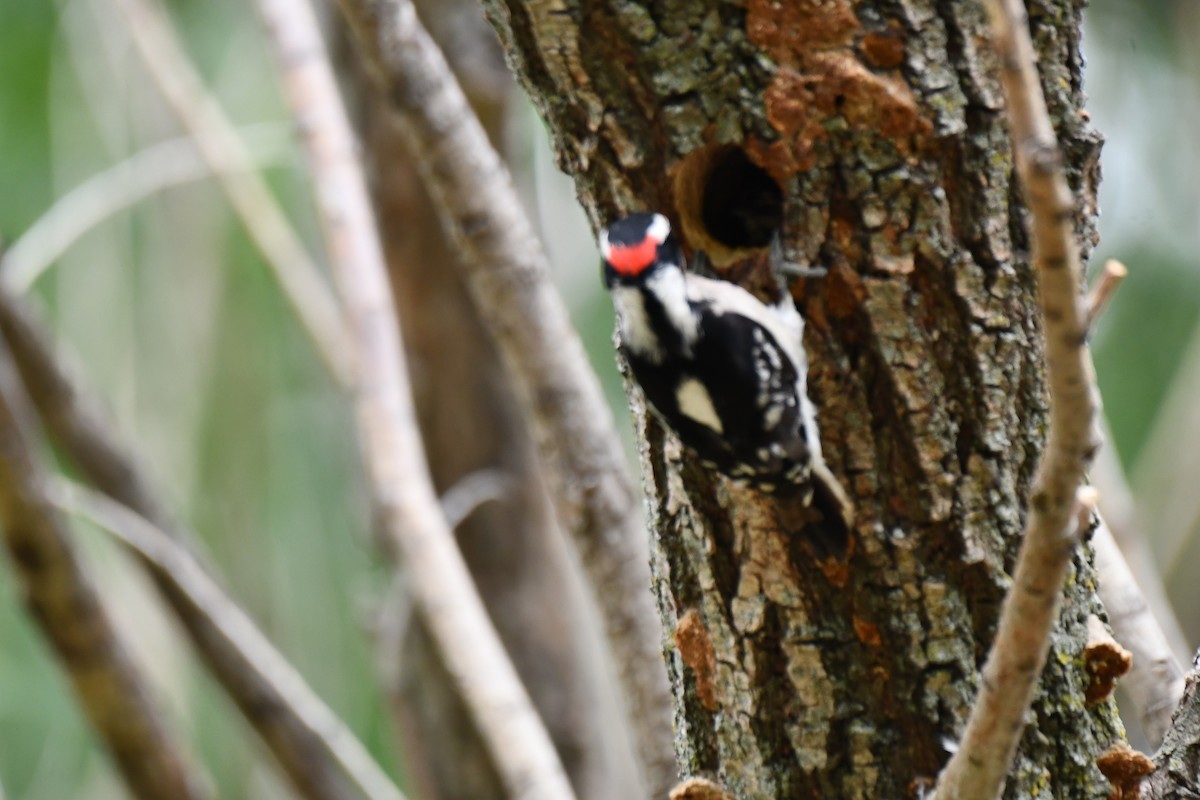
[(176, 567), (508, 274), (145, 173), (472, 491), (977, 770), (75, 423), (401, 486), (1155, 683), (396, 608), (1097, 300), (63, 600), (199, 112)]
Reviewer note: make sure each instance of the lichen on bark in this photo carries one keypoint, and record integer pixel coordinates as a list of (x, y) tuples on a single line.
[(882, 124)]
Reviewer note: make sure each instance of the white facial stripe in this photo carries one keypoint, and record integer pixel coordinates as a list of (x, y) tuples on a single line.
[(659, 229), (636, 333), (695, 403), (669, 286), (605, 247)]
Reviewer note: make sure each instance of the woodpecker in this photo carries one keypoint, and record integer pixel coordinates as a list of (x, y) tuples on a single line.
[(723, 370)]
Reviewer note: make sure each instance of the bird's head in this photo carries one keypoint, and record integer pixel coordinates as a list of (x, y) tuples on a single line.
[(637, 246)]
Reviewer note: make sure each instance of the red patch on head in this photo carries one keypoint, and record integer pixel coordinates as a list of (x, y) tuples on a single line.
[(632, 259)]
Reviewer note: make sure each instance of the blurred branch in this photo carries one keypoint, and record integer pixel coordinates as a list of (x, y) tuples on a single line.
[(63, 601), (1130, 586), (199, 112), (1170, 451), (1123, 520), (74, 422), (72, 417), (1009, 677), (391, 626), (1178, 760), (145, 173), (401, 486), (472, 491), (509, 279), (284, 699), (396, 609), (1155, 683)]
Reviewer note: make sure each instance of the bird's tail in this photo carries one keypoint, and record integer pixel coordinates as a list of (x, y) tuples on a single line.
[(829, 498), (820, 512)]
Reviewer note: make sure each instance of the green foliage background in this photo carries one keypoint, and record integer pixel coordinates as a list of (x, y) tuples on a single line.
[(177, 322)]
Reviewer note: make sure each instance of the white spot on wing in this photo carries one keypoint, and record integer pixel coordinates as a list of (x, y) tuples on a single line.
[(669, 286), (785, 325), (694, 402), (783, 322)]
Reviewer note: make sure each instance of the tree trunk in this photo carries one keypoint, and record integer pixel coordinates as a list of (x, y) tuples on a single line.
[(872, 136)]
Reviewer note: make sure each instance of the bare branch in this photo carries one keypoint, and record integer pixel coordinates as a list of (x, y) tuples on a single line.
[(281, 687), (145, 173), (75, 423), (1155, 683), (1097, 300), (199, 112), (509, 278), (977, 770), (401, 486), (63, 601), (72, 417)]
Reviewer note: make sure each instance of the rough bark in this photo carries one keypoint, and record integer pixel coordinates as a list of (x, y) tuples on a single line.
[(471, 423), (882, 125), (1177, 762)]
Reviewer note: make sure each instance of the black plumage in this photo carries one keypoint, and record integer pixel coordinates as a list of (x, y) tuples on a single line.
[(723, 370)]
